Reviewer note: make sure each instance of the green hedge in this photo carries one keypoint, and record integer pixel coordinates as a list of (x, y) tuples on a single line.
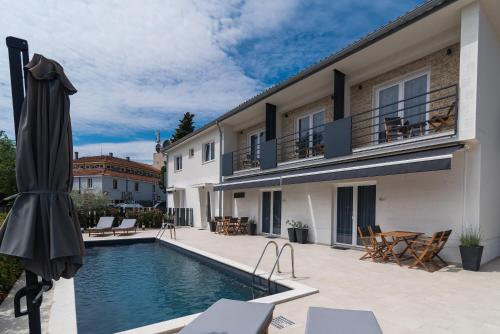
[(150, 219), (10, 269)]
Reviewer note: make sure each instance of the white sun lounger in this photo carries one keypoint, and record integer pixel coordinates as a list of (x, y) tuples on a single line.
[(125, 226), (232, 317), (104, 225), (322, 320)]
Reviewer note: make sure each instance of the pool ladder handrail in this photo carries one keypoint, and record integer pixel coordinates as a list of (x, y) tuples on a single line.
[(277, 263), (163, 228), (261, 256)]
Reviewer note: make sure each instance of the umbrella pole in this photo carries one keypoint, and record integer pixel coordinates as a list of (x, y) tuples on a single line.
[(18, 57), (32, 305)]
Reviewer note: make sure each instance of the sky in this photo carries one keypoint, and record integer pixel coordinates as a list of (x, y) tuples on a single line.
[(139, 65)]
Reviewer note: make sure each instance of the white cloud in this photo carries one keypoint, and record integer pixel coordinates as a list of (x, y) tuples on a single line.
[(141, 150), (138, 64)]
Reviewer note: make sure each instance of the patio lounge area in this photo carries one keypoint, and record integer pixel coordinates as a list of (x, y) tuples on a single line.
[(449, 300)]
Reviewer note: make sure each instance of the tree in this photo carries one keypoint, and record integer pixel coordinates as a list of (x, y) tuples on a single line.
[(161, 182), (185, 127), (7, 166)]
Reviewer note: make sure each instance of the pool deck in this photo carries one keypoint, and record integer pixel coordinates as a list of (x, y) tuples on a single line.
[(404, 300)]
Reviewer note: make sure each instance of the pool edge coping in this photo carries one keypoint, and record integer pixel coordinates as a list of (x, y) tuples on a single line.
[(65, 291)]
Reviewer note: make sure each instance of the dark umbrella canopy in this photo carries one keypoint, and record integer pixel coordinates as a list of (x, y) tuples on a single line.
[(42, 228)]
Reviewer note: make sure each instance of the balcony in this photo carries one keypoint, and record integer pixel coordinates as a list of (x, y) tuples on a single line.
[(426, 116)]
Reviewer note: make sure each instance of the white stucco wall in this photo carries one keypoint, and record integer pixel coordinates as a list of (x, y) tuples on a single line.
[(194, 172), (488, 121), (424, 202)]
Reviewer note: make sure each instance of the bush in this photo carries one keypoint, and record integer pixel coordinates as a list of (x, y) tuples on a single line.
[(470, 237), (150, 219), (10, 269), (90, 206)]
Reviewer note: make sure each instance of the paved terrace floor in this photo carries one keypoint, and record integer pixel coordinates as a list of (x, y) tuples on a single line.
[(404, 300)]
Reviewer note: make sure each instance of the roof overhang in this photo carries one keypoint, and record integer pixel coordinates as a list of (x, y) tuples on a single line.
[(415, 162), (203, 185), (173, 189)]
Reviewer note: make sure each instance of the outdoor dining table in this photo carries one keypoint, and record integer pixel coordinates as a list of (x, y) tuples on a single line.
[(397, 237)]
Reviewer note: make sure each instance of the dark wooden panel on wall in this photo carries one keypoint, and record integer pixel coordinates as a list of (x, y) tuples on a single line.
[(268, 155), (338, 94), (338, 138), (270, 121)]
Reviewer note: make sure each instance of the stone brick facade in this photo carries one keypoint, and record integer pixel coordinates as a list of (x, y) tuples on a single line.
[(444, 71)]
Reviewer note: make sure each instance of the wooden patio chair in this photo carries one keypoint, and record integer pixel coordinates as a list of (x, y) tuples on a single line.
[(441, 122), (392, 128), (219, 227), (442, 242), (232, 226), (371, 245), (425, 249), (242, 225), (384, 244)]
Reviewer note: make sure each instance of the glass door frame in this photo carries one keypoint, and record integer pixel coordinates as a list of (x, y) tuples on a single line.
[(354, 186), (271, 211), (400, 82)]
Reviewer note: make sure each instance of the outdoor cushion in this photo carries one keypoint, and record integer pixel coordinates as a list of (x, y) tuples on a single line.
[(105, 222), (322, 320), (126, 224), (232, 317)]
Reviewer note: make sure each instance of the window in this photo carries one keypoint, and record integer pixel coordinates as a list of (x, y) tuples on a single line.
[(89, 183), (115, 184), (178, 163), (191, 152), (401, 102), (208, 151), (136, 186), (310, 134), (255, 139), (154, 188)]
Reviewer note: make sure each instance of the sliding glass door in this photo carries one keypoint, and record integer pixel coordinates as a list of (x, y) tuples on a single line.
[(355, 207), (271, 212)]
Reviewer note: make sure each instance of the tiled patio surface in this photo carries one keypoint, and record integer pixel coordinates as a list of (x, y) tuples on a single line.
[(404, 300)]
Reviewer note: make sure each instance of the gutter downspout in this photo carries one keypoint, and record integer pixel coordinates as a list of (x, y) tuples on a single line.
[(220, 166)]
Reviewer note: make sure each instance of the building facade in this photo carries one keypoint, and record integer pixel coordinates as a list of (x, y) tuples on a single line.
[(121, 180), (397, 129)]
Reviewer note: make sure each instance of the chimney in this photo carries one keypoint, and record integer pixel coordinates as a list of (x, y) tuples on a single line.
[(111, 154), (76, 155), (128, 158)]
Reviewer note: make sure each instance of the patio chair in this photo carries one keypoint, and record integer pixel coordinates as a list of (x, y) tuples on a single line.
[(103, 225), (242, 225), (441, 122), (392, 128), (218, 224), (373, 249), (425, 249), (384, 244), (322, 320), (125, 226), (232, 316), (232, 226)]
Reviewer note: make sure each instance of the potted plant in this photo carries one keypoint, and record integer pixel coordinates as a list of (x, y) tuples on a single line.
[(292, 236), (470, 249), (301, 231), (252, 227), (213, 225)]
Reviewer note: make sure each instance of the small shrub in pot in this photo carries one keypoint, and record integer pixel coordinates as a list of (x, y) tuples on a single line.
[(292, 236), (252, 227), (470, 249), (302, 231)]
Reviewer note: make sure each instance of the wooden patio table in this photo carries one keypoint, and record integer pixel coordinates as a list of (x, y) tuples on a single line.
[(397, 237)]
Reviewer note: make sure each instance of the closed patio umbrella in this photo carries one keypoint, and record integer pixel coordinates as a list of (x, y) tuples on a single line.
[(42, 227)]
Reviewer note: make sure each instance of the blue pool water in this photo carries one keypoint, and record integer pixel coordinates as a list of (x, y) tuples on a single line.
[(126, 286)]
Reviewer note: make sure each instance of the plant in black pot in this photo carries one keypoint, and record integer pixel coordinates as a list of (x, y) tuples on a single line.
[(302, 231), (213, 225), (292, 236), (252, 227), (470, 249)]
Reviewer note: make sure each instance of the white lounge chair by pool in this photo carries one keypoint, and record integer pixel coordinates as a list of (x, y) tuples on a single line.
[(125, 226), (104, 225), (322, 320), (232, 317)]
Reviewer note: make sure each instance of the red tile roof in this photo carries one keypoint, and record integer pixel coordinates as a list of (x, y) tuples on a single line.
[(100, 171), (115, 161)]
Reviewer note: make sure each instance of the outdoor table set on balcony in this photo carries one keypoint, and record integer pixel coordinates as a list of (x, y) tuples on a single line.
[(231, 225), (422, 250)]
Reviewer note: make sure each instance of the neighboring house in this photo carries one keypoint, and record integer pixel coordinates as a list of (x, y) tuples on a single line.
[(122, 180), (399, 129)]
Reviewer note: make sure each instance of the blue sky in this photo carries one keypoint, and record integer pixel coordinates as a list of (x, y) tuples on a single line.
[(139, 65)]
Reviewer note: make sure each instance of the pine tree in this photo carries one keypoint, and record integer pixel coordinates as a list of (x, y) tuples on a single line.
[(185, 127), (7, 166)]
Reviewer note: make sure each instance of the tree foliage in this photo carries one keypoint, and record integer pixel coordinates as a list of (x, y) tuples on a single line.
[(161, 183), (185, 127), (7, 166)]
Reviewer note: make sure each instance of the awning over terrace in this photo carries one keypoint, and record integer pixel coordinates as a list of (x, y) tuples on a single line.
[(421, 161)]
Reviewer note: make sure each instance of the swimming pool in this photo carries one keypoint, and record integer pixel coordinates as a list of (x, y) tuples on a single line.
[(122, 287)]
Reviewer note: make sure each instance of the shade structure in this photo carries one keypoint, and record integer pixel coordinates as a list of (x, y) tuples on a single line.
[(42, 227)]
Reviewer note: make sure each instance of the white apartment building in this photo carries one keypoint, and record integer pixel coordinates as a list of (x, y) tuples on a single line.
[(398, 129)]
